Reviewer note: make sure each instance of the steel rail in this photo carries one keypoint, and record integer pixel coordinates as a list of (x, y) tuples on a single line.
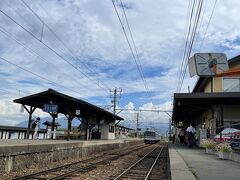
[(124, 172), (150, 170), (52, 169), (93, 165), (84, 168)]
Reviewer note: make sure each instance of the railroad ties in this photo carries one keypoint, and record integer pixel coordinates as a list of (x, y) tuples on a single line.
[(152, 165), (151, 162), (76, 168)]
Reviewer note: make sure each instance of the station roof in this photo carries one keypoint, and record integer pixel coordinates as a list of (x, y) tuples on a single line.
[(189, 105), (66, 104)]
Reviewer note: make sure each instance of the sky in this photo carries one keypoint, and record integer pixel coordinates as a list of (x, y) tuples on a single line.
[(78, 47)]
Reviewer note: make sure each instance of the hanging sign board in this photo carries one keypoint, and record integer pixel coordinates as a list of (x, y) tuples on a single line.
[(22, 109), (77, 112), (50, 108), (201, 64)]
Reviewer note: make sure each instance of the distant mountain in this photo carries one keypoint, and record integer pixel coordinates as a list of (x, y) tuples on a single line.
[(62, 121)]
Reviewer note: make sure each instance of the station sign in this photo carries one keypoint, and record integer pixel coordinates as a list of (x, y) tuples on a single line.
[(201, 64), (78, 112), (50, 108)]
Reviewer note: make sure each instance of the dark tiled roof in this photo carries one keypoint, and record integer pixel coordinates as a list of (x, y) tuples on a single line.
[(66, 104)]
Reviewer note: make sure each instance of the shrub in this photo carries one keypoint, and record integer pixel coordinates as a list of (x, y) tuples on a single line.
[(209, 144), (223, 147)]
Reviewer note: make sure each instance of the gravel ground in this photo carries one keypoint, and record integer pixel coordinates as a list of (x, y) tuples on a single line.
[(114, 168), (32, 169), (105, 171)]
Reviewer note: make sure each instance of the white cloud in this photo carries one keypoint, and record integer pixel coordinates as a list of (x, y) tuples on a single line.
[(91, 30)]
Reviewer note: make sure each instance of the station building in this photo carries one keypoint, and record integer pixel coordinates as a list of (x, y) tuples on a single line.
[(213, 105), (96, 123)]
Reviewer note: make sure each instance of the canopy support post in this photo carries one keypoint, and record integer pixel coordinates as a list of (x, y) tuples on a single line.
[(54, 115), (87, 128), (30, 112), (70, 118)]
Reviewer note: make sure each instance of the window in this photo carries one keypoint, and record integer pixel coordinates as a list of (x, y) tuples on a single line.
[(111, 128), (231, 84)]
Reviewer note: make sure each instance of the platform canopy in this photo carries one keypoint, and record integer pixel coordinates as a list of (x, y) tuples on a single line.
[(66, 104), (55, 102), (187, 106)]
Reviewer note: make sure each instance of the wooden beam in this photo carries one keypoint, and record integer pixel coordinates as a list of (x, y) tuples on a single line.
[(70, 118), (54, 115), (30, 112)]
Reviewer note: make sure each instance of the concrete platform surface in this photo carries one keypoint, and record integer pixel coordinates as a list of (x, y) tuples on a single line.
[(20, 142), (179, 169), (205, 166), (22, 146)]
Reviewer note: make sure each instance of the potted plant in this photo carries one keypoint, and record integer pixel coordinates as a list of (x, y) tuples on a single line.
[(209, 145), (224, 150)]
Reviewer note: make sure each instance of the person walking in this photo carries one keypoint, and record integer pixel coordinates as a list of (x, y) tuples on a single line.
[(190, 131)]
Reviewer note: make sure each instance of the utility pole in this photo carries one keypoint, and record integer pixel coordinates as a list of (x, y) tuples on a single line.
[(116, 93), (114, 100), (137, 122)]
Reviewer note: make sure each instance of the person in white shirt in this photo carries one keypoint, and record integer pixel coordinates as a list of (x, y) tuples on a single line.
[(35, 125), (190, 131)]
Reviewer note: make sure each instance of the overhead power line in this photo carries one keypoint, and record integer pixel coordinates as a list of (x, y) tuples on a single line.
[(147, 110), (134, 45), (130, 47), (186, 44), (187, 31), (47, 46), (209, 21), (59, 39), (189, 43), (31, 51), (37, 75), (195, 26), (201, 23)]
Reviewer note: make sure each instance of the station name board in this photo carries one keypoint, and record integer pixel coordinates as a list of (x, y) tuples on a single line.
[(50, 108)]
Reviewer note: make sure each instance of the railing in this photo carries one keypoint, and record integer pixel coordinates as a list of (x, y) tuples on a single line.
[(9, 132)]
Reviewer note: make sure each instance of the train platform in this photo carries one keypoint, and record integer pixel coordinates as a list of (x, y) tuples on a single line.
[(18, 142), (196, 164), (22, 153)]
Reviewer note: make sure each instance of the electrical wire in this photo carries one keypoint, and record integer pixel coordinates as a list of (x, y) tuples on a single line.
[(129, 45), (186, 45), (6, 33), (37, 75), (196, 22), (189, 43), (204, 36), (187, 23), (47, 46), (59, 39), (134, 45)]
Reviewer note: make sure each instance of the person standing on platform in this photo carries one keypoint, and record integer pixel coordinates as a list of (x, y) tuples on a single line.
[(181, 136), (35, 125), (191, 131)]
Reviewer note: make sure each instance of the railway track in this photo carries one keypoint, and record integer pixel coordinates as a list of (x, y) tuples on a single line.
[(61, 172), (147, 167)]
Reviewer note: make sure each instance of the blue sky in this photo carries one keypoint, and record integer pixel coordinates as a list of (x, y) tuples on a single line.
[(95, 56)]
